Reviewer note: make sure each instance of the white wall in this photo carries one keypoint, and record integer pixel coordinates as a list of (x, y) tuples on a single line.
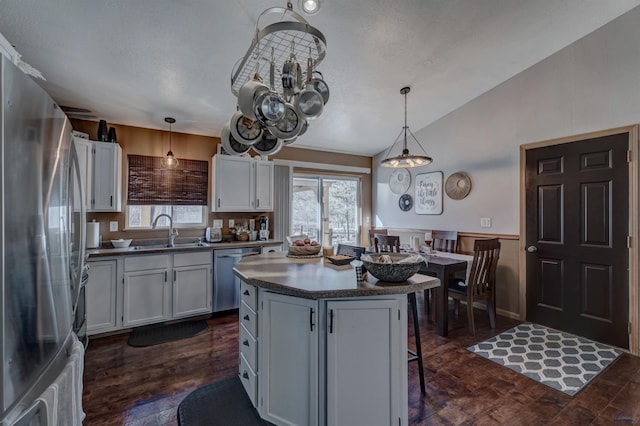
[(591, 85)]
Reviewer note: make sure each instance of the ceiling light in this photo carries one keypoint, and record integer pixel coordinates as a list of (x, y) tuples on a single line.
[(405, 159), (170, 162), (310, 7)]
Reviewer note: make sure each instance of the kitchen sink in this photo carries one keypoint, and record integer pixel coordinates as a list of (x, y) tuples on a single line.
[(166, 246)]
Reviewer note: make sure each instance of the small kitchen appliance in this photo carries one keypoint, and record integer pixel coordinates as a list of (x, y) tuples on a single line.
[(213, 235), (264, 228)]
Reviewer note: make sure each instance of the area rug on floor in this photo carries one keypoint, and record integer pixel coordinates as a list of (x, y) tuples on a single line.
[(156, 334), (559, 360), (220, 403)]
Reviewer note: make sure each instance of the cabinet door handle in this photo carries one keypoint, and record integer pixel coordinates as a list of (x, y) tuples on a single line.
[(257, 203), (111, 201), (330, 321), (246, 318), (165, 276), (218, 202), (174, 276), (311, 324), (246, 292), (245, 375), (245, 342)]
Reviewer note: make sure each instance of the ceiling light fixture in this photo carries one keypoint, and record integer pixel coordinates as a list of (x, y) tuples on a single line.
[(170, 162), (310, 7), (405, 159)]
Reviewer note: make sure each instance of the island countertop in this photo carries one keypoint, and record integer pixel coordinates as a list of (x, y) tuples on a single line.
[(312, 278)]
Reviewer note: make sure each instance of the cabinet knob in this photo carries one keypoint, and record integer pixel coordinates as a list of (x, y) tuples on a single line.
[(246, 318), (246, 292), (245, 375), (245, 342)]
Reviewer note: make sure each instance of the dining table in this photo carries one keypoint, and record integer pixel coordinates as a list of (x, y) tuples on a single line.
[(444, 265)]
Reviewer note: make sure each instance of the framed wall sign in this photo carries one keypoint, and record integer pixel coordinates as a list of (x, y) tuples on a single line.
[(428, 193)]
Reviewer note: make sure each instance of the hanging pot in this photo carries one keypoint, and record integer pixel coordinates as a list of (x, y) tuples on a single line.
[(268, 107), (321, 86), (247, 94), (244, 130), (291, 77), (289, 126), (268, 145), (309, 102), (230, 145)]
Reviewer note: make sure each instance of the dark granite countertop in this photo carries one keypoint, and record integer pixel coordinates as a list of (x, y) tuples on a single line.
[(134, 249), (312, 278)]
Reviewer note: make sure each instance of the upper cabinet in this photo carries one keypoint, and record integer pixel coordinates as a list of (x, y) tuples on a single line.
[(101, 170), (241, 184)]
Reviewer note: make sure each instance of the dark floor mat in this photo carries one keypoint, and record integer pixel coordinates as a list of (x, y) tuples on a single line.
[(156, 334), (220, 403)]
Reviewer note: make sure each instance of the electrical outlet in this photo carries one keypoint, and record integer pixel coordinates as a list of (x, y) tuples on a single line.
[(231, 223), (113, 226), (485, 222), (217, 223)]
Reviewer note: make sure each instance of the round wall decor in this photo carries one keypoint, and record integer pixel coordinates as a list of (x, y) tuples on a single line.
[(458, 185), (399, 181), (405, 202)]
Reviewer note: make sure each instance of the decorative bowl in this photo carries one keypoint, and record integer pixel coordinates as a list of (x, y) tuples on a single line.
[(307, 250), (120, 243), (395, 272), (340, 259)]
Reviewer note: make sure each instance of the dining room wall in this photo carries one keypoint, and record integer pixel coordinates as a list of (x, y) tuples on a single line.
[(588, 86)]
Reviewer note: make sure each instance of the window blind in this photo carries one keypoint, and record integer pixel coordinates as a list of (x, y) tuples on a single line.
[(151, 184)]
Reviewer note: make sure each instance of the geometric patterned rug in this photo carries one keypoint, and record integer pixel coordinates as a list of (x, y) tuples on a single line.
[(557, 359)]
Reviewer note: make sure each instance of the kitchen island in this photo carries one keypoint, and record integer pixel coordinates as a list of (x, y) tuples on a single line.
[(318, 347)]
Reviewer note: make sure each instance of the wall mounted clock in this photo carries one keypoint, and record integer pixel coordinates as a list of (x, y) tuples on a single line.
[(399, 181), (405, 202)]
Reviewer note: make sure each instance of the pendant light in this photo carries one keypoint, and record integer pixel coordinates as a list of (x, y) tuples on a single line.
[(170, 162), (405, 159), (310, 7)]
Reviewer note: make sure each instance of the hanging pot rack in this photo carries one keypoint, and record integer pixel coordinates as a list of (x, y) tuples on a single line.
[(278, 42)]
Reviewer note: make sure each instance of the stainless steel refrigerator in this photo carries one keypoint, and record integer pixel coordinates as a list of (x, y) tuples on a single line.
[(41, 257)]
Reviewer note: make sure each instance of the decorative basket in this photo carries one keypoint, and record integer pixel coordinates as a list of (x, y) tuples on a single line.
[(392, 272), (304, 250), (242, 237)]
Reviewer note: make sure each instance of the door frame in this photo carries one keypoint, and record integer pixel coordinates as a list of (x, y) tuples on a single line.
[(634, 211)]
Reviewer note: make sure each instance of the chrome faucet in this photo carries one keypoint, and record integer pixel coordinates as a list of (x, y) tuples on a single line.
[(173, 233)]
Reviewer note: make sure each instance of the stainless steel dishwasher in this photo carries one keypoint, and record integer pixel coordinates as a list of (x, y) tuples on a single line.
[(226, 286)]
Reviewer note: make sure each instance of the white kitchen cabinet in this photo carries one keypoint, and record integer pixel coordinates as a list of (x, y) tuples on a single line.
[(101, 169), (146, 297), (241, 184), (192, 283), (101, 294), (363, 363), (288, 360)]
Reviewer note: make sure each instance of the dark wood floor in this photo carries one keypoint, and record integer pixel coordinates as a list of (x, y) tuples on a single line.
[(124, 385)]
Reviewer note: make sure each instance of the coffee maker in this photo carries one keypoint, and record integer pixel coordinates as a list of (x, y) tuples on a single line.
[(263, 222)]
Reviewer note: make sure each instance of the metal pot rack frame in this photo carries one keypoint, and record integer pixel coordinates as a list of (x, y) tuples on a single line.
[(277, 42)]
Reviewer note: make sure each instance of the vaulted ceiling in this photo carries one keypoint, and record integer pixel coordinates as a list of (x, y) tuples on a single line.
[(136, 62)]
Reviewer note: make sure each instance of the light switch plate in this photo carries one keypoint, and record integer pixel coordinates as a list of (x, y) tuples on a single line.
[(113, 226), (231, 223), (217, 223), (485, 222)]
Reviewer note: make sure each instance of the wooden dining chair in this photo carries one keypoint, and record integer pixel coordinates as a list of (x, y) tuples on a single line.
[(388, 243), (481, 282), (373, 232), (348, 250), (445, 241)]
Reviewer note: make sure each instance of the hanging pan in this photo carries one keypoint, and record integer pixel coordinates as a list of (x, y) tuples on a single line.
[(244, 130), (230, 145), (309, 102)]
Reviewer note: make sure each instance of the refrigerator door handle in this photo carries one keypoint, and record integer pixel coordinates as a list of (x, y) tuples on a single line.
[(83, 214)]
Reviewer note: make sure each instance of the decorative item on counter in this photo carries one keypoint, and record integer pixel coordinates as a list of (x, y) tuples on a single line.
[(103, 133), (392, 267), (112, 135), (241, 232), (359, 273), (93, 234), (121, 243)]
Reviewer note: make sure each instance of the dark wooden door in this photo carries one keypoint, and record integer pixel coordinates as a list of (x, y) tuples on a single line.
[(577, 219)]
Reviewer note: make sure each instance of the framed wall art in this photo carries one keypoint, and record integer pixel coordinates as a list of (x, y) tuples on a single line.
[(428, 193)]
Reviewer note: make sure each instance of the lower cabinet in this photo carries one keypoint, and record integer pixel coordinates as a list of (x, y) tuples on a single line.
[(331, 361), (101, 294), (191, 284), (146, 290)]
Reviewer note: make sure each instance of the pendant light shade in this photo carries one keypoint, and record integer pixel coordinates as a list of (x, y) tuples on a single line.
[(405, 159), (169, 161)]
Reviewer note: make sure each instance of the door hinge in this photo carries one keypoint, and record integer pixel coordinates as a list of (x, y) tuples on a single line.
[(629, 156), (629, 241)]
